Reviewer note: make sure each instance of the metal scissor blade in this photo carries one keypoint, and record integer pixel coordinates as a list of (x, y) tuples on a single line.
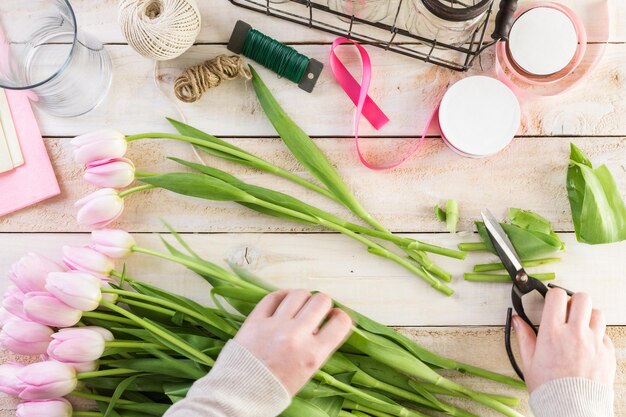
[(502, 244)]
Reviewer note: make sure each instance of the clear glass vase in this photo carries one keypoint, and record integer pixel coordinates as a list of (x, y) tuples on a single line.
[(370, 10), (449, 22), (42, 50)]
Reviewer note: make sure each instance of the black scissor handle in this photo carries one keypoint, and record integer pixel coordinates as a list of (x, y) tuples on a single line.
[(533, 284)]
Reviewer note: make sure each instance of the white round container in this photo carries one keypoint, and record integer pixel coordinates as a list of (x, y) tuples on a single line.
[(542, 41), (479, 116)]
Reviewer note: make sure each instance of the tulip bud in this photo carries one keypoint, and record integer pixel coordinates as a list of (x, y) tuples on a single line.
[(5, 316), (29, 273), (13, 301), (81, 367), (108, 296), (76, 345), (110, 173), (44, 308), (25, 337), (44, 380), (94, 146), (56, 407), (9, 383), (87, 259), (114, 243), (105, 333), (76, 289), (100, 208)]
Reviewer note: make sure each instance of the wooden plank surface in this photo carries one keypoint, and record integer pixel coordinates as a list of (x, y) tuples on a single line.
[(344, 269), (529, 174), (405, 88)]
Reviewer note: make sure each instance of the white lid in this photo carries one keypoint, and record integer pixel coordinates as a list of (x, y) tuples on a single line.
[(479, 116), (543, 41)]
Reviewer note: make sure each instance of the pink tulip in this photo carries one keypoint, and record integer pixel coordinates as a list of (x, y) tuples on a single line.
[(87, 259), (56, 407), (105, 333), (100, 208), (110, 173), (81, 367), (76, 345), (9, 383), (13, 301), (114, 243), (5, 316), (94, 146), (78, 290), (108, 296), (25, 337), (45, 380), (29, 273), (44, 308)]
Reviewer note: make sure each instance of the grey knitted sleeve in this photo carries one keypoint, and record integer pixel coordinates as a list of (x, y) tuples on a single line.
[(239, 385), (572, 397)]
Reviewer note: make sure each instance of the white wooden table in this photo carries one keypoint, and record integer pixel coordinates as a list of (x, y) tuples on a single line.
[(529, 174)]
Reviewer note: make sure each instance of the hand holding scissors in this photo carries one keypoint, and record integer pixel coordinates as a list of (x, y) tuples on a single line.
[(571, 341)]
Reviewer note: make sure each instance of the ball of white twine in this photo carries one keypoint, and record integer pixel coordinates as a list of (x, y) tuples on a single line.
[(159, 29)]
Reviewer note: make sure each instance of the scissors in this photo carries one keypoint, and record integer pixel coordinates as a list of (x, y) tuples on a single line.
[(522, 282)]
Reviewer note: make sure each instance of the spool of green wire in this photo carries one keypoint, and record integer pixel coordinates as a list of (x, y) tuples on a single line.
[(274, 55)]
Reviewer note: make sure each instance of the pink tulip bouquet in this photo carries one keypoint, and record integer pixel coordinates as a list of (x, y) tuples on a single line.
[(102, 154), (134, 349)]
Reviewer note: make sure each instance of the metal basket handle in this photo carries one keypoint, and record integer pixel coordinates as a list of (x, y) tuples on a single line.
[(504, 20)]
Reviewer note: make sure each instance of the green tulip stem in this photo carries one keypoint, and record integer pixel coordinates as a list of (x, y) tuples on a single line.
[(96, 397), (86, 414), (438, 250), (240, 154), (498, 266), (504, 278), (472, 246), (372, 246), (201, 357), (189, 263), (108, 317), (169, 307), (107, 372), (139, 174), (371, 400), (132, 344), (133, 190)]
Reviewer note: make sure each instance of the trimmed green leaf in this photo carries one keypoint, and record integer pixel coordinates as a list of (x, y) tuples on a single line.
[(440, 214), (598, 209)]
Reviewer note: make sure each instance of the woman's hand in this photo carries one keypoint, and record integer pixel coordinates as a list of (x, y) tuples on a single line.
[(572, 342), (293, 333)]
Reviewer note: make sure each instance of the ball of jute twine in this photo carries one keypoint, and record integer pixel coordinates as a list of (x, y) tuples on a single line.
[(159, 29), (196, 80)]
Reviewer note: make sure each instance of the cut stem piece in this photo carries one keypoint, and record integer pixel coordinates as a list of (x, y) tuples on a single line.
[(503, 278)]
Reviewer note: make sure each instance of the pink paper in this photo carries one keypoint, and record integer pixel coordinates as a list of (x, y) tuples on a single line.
[(34, 181)]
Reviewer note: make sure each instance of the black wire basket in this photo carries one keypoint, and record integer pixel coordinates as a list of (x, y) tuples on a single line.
[(391, 32)]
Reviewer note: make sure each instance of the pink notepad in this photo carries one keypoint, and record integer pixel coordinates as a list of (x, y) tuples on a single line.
[(33, 181)]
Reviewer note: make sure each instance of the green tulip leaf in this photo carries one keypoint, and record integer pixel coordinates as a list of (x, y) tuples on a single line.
[(598, 209)]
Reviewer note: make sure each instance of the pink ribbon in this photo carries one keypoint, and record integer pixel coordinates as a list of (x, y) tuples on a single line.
[(365, 106)]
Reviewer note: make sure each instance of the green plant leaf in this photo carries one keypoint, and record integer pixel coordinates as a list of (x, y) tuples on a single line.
[(598, 209), (197, 185), (119, 390), (303, 148), (527, 243)]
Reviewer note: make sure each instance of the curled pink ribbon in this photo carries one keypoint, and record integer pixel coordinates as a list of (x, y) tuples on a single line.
[(365, 106)]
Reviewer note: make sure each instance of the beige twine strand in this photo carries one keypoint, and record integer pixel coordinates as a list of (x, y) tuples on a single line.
[(196, 80)]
